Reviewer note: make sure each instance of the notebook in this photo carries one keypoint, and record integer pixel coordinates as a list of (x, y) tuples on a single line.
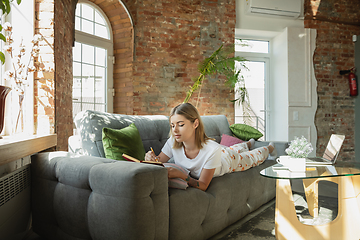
[(331, 152)]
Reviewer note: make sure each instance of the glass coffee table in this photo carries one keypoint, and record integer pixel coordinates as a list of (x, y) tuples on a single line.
[(345, 226)]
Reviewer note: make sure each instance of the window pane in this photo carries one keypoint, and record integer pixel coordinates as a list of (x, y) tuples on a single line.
[(88, 53), (251, 46), (88, 19), (100, 108), (77, 52), (77, 10), (254, 79), (101, 31), (99, 19), (87, 12), (76, 108), (88, 106), (87, 26), (100, 57), (100, 85), (88, 91), (77, 23)]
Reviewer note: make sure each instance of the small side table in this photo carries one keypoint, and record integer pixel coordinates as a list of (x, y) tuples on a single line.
[(344, 226)]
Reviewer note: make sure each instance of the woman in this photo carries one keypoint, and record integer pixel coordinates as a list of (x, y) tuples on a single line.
[(202, 156)]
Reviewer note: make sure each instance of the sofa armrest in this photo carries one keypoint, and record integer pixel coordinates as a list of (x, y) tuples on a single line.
[(86, 196), (134, 196)]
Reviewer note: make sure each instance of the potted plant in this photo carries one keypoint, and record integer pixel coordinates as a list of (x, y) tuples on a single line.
[(299, 148), (222, 62)]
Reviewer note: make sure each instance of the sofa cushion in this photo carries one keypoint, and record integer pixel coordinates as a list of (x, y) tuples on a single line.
[(153, 130), (228, 141), (245, 132), (126, 140)]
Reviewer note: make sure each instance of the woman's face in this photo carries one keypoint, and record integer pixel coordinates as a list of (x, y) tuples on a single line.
[(183, 129)]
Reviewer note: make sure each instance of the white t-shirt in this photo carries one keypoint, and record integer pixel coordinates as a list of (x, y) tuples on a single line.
[(209, 157)]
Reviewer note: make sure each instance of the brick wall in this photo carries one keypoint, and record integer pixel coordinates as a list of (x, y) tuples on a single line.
[(44, 90), (171, 38), (336, 22), (157, 56), (64, 15)]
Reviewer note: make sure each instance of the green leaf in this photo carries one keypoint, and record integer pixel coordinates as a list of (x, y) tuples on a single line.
[(2, 57), (7, 6), (207, 65), (2, 37), (2, 7), (18, 2)]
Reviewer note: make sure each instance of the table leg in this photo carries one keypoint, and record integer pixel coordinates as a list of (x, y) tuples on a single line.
[(312, 196), (345, 226)]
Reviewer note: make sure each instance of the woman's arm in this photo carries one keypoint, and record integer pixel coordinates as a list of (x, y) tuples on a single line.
[(203, 182)]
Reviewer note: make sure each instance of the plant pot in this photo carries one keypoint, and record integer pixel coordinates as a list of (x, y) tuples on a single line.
[(3, 93), (294, 164)]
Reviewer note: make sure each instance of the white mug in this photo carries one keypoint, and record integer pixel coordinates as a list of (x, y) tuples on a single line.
[(293, 164)]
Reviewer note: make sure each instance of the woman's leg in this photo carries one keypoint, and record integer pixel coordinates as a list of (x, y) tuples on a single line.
[(236, 158)]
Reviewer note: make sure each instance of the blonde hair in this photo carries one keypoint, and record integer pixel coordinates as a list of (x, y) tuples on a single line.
[(190, 113)]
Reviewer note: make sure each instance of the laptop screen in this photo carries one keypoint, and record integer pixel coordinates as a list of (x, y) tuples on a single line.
[(333, 147)]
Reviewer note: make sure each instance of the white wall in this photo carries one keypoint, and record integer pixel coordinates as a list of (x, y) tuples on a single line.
[(278, 88), (302, 84)]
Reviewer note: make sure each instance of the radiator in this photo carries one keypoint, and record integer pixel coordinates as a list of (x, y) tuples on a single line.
[(15, 213)]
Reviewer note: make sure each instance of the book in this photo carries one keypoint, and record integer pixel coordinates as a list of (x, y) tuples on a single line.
[(132, 159)]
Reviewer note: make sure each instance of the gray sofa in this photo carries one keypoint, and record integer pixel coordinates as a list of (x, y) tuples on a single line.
[(82, 195)]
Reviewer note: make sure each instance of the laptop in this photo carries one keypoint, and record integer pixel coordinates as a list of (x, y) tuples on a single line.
[(331, 152)]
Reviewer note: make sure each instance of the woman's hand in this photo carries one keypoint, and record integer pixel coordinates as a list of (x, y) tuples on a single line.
[(150, 156), (175, 173)]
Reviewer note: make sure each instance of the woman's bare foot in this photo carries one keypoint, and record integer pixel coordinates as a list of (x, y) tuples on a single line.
[(271, 148), (272, 151), (251, 143)]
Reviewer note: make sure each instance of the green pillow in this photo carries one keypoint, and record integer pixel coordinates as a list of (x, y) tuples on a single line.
[(245, 132), (126, 140)]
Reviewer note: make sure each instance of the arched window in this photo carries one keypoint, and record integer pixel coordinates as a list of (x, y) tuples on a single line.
[(92, 60)]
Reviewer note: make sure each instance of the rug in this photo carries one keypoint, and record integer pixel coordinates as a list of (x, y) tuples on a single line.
[(260, 225)]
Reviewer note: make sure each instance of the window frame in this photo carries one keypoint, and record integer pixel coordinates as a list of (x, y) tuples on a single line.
[(266, 58), (96, 41)]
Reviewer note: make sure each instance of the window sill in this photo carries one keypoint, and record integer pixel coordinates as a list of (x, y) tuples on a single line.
[(14, 147)]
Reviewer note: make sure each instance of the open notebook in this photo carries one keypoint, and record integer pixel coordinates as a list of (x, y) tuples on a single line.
[(331, 152)]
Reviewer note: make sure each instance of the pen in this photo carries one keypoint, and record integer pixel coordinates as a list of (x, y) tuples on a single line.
[(154, 153)]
